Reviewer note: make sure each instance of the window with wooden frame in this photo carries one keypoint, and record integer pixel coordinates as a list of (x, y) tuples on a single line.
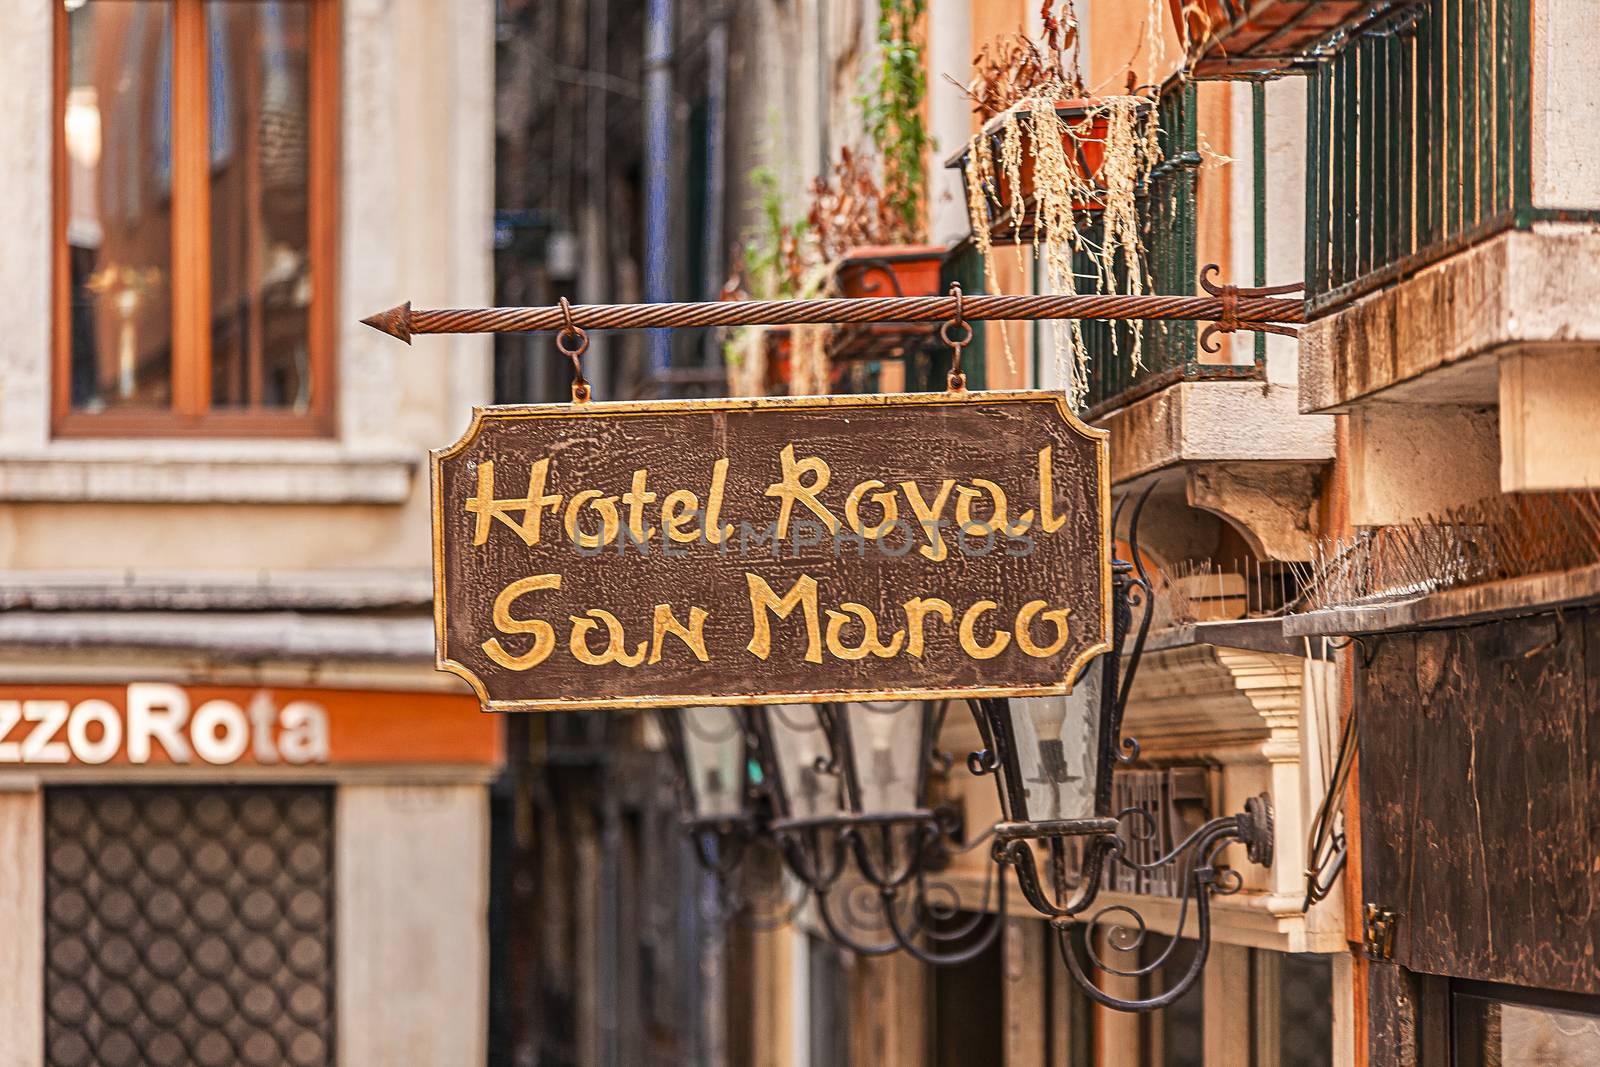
[(196, 145)]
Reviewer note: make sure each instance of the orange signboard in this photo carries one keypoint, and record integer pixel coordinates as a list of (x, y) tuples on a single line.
[(160, 723)]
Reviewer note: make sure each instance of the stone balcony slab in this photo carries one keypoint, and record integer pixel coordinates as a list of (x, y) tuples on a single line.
[(1243, 450), (1437, 336)]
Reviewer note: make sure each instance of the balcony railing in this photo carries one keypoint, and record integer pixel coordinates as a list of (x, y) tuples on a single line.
[(1167, 208), (1418, 141)]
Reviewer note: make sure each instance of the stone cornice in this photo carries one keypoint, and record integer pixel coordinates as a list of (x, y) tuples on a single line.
[(1206, 697)]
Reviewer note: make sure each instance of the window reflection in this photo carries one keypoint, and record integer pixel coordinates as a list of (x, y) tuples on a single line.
[(1505, 1034), (258, 70), (117, 136)]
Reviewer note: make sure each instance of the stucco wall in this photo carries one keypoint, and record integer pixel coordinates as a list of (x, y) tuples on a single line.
[(415, 221), (413, 906)]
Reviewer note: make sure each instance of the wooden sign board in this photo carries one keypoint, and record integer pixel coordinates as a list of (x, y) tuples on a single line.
[(772, 550)]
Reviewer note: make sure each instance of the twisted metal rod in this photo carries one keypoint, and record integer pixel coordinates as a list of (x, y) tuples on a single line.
[(1238, 308)]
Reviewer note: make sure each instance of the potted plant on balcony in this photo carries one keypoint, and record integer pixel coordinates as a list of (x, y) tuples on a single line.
[(1058, 170), (868, 245), (853, 241), (862, 235), (874, 223), (774, 261), (860, 230)]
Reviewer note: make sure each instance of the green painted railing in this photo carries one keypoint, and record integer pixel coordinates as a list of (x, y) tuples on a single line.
[(1418, 143), (1167, 219)]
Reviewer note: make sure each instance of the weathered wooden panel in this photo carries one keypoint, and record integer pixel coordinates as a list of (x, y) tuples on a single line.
[(1388, 741), (1391, 1016), (1446, 867), (1480, 786), (1408, 1018), (755, 551)]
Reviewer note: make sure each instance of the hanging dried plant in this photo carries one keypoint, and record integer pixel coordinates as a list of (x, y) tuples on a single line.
[(1051, 169), (849, 209), (1013, 67), (1132, 151), (1031, 164)]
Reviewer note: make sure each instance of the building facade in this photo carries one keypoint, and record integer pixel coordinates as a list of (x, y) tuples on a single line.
[(244, 821), (1242, 484), (1407, 161), (1453, 296), (1224, 706)]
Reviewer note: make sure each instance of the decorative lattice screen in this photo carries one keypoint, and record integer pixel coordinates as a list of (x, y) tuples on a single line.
[(189, 926)]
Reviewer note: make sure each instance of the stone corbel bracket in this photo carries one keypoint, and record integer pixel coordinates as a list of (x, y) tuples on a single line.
[(1272, 504)]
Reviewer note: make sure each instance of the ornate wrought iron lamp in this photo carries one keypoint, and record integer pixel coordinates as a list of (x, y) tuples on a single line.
[(1053, 759), (840, 791), (851, 782), (727, 810)]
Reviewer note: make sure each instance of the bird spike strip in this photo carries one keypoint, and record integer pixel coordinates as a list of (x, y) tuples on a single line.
[(1228, 307)]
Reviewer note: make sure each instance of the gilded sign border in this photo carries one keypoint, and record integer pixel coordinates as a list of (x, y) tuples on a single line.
[(622, 409)]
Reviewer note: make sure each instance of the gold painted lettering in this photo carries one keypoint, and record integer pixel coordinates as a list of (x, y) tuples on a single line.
[(969, 643), (997, 520), (544, 635), (803, 594), (616, 650), (610, 524), (1025, 622), (693, 636), (928, 516), (1048, 520), (886, 499), (636, 498), (678, 516), (837, 620), (487, 508), (716, 530), (791, 488), (918, 609)]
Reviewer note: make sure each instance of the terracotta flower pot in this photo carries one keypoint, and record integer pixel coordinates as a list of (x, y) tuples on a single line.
[(883, 270), (889, 270), (1086, 152)]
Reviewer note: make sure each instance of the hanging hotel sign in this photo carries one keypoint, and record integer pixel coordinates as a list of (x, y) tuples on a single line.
[(772, 550)]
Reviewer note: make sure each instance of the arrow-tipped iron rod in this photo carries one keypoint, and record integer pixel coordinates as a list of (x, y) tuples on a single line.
[(1249, 312)]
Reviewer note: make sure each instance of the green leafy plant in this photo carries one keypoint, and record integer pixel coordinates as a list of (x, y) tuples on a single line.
[(892, 108), (773, 264)]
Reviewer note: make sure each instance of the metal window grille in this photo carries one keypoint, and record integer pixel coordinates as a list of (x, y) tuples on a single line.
[(1175, 801), (1418, 143), (188, 925)]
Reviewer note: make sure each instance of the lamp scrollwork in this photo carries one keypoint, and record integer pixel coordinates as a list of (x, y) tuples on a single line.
[(841, 793), (1052, 813)]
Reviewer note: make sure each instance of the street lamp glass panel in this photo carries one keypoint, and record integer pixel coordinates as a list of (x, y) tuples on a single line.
[(1057, 750), (799, 748), (886, 747), (714, 752)]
